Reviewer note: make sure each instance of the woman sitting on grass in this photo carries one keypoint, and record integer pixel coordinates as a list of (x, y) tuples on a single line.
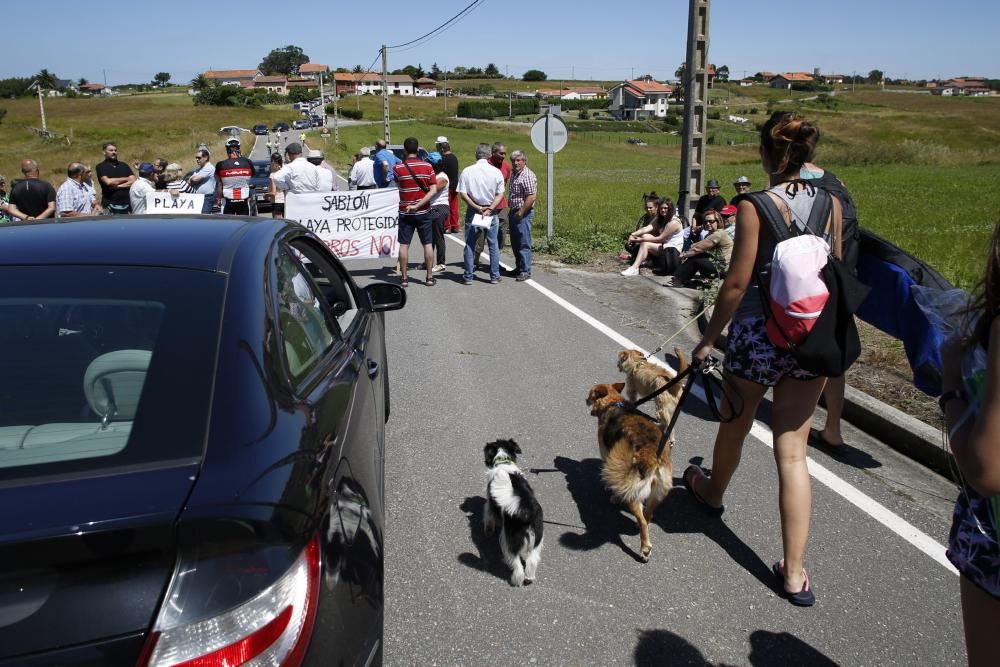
[(663, 238), (970, 400), (649, 203)]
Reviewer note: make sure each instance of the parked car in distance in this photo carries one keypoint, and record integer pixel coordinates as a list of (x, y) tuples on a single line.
[(231, 130), (192, 445), (261, 183), (280, 126), (260, 129), (301, 124), (315, 121)]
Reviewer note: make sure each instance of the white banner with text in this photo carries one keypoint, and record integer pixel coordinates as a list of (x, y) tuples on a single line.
[(354, 224), (164, 202)]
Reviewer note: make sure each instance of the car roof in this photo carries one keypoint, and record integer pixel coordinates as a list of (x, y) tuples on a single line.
[(205, 242)]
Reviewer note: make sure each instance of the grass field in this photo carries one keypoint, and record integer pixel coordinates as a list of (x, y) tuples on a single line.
[(922, 169)]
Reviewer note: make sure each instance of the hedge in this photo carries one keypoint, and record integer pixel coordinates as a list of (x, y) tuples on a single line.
[(576, 105), (497, 108)]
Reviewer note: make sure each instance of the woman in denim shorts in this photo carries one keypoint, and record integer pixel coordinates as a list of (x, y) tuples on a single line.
[(753, 364)]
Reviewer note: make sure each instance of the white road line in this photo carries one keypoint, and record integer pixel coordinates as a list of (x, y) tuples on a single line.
[(916, 537)]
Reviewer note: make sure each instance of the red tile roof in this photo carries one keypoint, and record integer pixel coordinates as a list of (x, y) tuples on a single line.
[(312, 68), (796, 76), (646, 87), (231, 74)]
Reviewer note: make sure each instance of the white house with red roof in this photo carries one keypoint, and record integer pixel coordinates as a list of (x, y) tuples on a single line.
[(231, 77), (633, 100), (312, 70)]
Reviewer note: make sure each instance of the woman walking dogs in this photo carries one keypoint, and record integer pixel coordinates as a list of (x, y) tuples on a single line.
[(753, 363)]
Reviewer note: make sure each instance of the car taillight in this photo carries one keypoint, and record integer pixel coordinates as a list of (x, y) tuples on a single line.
[(271, 628)]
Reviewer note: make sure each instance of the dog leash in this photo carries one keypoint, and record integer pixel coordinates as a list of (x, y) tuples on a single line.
[(678, 332)]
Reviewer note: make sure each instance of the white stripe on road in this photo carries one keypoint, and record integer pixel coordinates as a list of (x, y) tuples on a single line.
[(762, 433)]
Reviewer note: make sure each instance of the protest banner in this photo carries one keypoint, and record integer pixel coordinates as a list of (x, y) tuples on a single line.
[(164, 202), (354, 224)]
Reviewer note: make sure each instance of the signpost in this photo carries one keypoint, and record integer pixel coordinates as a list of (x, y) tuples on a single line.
[(549, 136)]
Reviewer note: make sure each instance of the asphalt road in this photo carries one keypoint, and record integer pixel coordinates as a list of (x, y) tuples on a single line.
[(469, 364), (282, 139)]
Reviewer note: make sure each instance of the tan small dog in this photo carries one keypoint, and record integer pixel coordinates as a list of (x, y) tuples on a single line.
[(628, 440), (642, 378)]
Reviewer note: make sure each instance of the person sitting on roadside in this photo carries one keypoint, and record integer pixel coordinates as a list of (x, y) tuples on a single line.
[(662, 238), (742, 185), (700, 259), (712, 199), (647, 217), (698, 229)]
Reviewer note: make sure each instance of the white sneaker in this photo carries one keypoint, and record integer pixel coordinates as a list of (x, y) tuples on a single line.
[(438, 268), (630, 271)]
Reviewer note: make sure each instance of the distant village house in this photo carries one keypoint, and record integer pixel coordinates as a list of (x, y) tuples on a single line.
[(637, 99)]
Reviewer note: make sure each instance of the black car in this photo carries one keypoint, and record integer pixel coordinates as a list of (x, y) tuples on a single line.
[(316, 121), (260, 129), (261, 183), (191, 445), (280, 126)]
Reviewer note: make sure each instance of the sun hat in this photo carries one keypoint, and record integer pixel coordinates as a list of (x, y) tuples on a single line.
[(712, 184), (741, 180), (441, 140)]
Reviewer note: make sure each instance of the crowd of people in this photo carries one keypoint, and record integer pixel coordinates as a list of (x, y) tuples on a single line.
[(120, 188), (498, 195)]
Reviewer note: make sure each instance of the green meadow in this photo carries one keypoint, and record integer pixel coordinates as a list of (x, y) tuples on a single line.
[(923, 170)]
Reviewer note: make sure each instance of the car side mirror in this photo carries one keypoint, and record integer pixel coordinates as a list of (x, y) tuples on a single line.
[(384, 296)]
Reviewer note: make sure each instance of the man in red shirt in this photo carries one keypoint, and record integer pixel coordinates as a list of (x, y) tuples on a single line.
[(417, 185)]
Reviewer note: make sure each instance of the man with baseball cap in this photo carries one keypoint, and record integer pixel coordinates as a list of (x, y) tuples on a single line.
[(711, 200), (141, 187), (742, 185), (449, 165)]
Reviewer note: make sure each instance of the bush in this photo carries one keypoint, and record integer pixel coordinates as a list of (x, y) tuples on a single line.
[(535, 75), (584, 115), (227, 96), (495, 108), (302, 94), (353, 114)]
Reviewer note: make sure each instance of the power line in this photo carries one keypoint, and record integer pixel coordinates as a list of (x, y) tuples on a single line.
[(466, 10)]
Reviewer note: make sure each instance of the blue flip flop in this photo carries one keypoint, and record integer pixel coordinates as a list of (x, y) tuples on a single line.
[(804, 598), (689, 476)]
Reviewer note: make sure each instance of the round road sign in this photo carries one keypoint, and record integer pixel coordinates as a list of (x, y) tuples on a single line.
[(549, 134)]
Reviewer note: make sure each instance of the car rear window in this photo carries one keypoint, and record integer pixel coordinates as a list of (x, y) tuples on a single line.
[(104, 366)]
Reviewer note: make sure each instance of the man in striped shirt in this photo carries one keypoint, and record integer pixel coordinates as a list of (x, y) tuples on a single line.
[(523, 190), (417, 186)]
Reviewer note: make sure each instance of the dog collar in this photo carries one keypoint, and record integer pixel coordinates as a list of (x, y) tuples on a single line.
[(617, 404), (500, 460)]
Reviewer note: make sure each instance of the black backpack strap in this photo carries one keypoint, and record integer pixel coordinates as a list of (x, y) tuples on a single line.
[(770, 214), (415, 179), (820, 213)]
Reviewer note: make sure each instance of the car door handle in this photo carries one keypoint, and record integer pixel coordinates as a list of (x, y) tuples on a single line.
[(372, 368)]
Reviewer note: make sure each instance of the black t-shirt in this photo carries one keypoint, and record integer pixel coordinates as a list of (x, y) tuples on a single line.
[(113, 170), (32, 196), (449, 165), (706, 202)]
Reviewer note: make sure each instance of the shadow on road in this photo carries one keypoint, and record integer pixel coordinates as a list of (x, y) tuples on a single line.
[(602, 518), (662, 647), (680, 513), (767, 649), (781, 648), (489, 559)]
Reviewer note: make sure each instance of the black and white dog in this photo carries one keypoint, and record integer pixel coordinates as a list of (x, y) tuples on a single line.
[(511, 503)]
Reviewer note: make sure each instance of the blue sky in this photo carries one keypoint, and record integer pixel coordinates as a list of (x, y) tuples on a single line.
[(585, 39)]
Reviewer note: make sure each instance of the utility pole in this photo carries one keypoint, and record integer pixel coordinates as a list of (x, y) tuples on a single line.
[(322, 99), (385, 92), (446, 89), (510, 105), (695, 106)]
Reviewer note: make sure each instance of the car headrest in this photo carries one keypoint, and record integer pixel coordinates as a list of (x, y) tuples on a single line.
[(113, 383)]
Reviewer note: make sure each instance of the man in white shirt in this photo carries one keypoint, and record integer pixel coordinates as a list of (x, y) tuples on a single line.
[(328, 174), (481, 185), (297, 175), (362, 175), (143, 185)]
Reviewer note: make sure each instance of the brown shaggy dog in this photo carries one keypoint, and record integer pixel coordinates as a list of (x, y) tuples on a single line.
[(628, 440), (643, 377)]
